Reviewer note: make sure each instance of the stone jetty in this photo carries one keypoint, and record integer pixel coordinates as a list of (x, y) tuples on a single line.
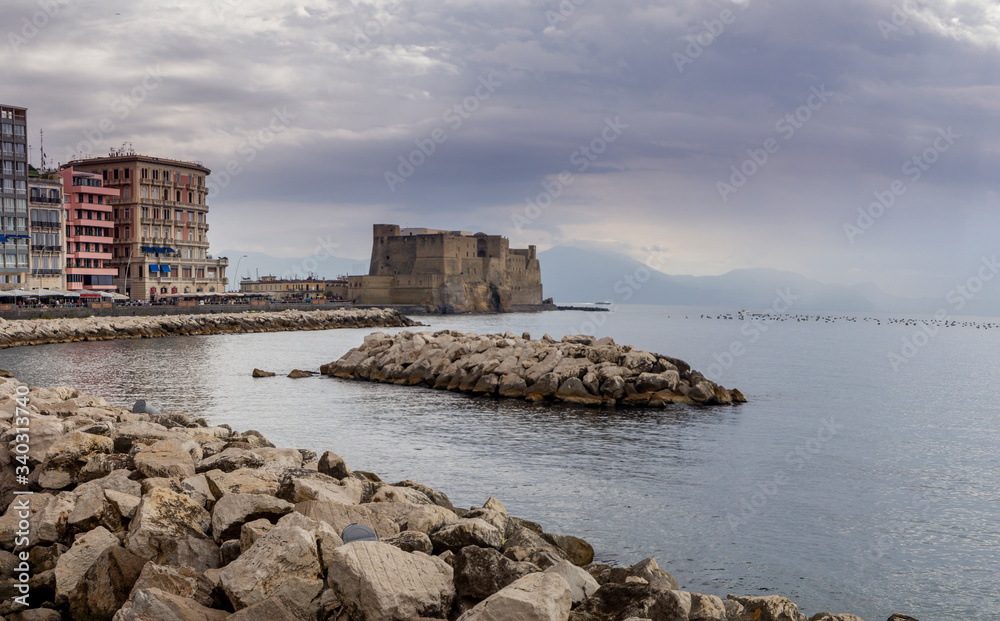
[(580, 370), (45, 331), (164, 517)]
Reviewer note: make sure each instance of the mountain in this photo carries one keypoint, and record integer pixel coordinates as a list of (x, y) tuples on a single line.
[(254, 263), (575, 275)]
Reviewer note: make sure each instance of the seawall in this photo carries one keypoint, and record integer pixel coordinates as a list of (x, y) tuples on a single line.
[(109, 514), (579, 369), (46, 331)]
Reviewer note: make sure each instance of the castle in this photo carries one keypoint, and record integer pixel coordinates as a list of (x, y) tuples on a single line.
[(449, 271)]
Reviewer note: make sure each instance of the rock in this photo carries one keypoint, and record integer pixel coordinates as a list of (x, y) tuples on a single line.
[(181, 581), (378, 582), (340, 516), (259, 373), (578, 551), (436, 497), (229, 460), (581, 584), (333, 465), (229, 551), (512, 385), (165, 521), (298, 374), (91, 507), (392, 493), (233, 510), (302, 485), (100, 465), (481, 572), (466, 532), (154, 604), (66, 456), (658, 578), (169, 458), (411, 541), (241, 481), (707, 608), (613, 601), (770, 608), (252, 531), (900, 617), (536, 597), (825, 616), (74, 564), (106, 585), (283, 560), (125, 504), (573, 391)]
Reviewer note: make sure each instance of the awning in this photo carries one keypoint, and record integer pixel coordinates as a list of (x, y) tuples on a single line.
[(165, 268), (154, 268), (171, 250), (148, 249), (3, 239)]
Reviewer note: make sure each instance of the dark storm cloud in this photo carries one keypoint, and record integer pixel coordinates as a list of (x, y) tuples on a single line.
[(361, 85)]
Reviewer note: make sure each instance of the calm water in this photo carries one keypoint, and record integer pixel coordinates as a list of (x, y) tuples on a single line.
[(844, 484)]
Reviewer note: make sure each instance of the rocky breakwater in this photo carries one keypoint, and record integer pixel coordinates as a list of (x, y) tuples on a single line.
[(579, 369), (43, 331), (166, 518)]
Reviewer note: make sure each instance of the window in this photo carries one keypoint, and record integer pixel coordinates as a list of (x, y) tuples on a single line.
[(145, 212), (145, 191), (178, 196), (145, 231), (156, 194), (127, 192), (127, 216), (126, 173)]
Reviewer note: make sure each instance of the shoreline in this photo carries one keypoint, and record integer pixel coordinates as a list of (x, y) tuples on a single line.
[(21, 332), (131, 513)]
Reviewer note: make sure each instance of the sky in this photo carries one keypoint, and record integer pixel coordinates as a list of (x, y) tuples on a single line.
[(848, 141)]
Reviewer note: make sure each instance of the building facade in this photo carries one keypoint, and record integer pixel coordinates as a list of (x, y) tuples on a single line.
[(295, 288), (89, 231), (46, 226), (160, 226), (15, 242), (447, 270)]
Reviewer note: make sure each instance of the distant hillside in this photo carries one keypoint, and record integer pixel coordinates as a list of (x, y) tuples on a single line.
[(265, 265), (571, 274)]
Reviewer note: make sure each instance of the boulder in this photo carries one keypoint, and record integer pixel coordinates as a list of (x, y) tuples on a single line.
[(125, 504), (233, 510), (74, 564), (285, 560), (466, 532), (164, 525), (169, 458), (154, 604), (535, 597), (241, 481), (302, 485), (252, 531), (229, 460), (298, 374), (259, 373), (378, 582), (176, 580), (481, 572), (411, 541), (770, 608), (581, 584), (340, 516), (333, 465), (707, 608), (67, 455), (578, 551), (573, 391), (106, 585)]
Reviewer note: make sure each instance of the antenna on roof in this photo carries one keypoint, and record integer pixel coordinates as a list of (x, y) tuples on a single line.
[(41, 134)]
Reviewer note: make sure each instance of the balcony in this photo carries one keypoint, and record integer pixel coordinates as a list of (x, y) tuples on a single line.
[(46, 200)]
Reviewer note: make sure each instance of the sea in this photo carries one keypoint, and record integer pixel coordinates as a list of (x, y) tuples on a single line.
[(863, 475)]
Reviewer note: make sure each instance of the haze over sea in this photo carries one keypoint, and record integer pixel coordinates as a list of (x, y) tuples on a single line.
[(844, 484)]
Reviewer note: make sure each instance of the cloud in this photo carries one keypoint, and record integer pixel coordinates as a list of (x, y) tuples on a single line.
[(369, 82)]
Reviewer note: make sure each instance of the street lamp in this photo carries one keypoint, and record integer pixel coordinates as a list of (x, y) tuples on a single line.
[(238, 272)]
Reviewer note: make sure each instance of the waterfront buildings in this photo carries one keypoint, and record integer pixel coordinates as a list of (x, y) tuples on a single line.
[(46, 226), (295, 288), (89, 231), (160, 225), (14, 238)]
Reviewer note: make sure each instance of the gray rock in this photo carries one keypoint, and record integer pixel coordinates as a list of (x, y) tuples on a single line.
[(164, 523), (581, 584), (333, 465), (241, 481), (284, 560), (340, 516), (378, 582), (535, 597), (770, 608), (481, 572), (73, 565), (233, 510), (106, 585), (229, 460), (252, 531), (707, 608), (67, 455), (411, 541), (169, 458), (466, 532), (154, 604)]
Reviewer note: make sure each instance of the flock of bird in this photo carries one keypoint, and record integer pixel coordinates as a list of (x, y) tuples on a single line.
[(947, 322)]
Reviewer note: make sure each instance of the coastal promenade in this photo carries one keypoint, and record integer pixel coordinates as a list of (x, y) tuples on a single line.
[(46, 331), (110, 514)]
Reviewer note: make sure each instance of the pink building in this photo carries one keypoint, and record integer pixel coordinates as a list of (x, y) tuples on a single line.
[(89, 231)]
